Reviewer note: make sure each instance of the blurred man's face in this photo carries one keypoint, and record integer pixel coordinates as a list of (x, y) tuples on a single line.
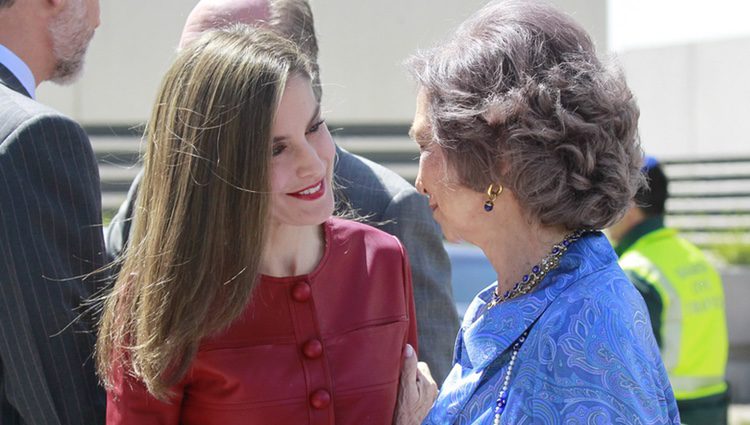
[(71, 31), (616, 232), (632, 217)]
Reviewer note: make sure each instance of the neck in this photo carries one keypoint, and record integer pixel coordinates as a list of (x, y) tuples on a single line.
[(29, 40), (518, 249), (293, 250)]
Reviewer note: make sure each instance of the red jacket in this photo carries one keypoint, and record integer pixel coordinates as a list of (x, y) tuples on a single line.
[(322, 348)]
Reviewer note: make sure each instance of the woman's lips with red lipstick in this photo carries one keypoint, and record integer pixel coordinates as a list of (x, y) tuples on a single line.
[(310, 193)]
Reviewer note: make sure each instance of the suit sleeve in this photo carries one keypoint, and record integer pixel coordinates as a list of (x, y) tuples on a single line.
[(408, 218), (50, 245), (117, 234)]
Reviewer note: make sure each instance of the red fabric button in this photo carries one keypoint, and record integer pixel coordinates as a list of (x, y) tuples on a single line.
[(312, 349), (301, 292), (320, 399)]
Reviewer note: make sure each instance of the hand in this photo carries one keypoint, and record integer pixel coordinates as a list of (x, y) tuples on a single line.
[(416, 392)]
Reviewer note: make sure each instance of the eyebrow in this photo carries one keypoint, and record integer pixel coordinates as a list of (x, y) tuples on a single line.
[(422, 135), (315, 115)]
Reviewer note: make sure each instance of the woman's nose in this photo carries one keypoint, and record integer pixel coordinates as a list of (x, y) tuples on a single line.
[(309, 162), (419, 185)]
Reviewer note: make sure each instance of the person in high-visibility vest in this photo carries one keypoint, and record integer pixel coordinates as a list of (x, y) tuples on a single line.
[(685, 300)]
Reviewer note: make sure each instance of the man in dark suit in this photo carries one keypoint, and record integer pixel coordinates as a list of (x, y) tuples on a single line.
[(373, 191), (50, 221)]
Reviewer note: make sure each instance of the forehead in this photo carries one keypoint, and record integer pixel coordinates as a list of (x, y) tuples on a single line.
[(420, 128), (297, 105)]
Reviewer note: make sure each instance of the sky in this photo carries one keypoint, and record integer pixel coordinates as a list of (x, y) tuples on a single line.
[(652, 23)]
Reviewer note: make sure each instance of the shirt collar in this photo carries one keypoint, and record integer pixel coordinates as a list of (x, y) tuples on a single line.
[(638, 231), (488, 334), (19, 69)]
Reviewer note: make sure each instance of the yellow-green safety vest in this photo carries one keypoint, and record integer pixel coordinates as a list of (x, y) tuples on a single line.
[(693, 331)]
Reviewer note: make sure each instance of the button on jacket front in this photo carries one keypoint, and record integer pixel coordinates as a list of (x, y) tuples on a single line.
[(320, 349)]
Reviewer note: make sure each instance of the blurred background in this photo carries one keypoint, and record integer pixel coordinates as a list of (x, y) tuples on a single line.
[(684, 60)]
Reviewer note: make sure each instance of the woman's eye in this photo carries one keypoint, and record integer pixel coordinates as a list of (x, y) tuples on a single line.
[(315, 127), (277, 149)]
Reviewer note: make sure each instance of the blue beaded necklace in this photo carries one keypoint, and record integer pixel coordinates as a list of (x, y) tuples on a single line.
[(527, 283)]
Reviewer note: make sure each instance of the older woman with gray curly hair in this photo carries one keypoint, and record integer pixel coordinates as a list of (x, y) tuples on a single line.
[(528, 146)]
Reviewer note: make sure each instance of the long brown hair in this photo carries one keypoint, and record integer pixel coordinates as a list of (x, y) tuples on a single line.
[(202, 207)]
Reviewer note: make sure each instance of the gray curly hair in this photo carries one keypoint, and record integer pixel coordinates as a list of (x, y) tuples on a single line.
[(518, 96), (6, 3)]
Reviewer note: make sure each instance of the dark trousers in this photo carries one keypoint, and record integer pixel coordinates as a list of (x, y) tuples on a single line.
[(711, 410)]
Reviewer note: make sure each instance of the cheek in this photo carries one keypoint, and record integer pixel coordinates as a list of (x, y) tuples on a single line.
[(436, 175), (277, 180), (326, 150), (427, 167)]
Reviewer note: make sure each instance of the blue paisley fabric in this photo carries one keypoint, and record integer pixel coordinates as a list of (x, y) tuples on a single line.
[(590, 357)]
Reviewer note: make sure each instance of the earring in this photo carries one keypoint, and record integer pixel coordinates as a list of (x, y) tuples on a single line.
[(492, 193)]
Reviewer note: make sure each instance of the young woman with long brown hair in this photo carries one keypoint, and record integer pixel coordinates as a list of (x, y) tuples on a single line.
[(240, 299)]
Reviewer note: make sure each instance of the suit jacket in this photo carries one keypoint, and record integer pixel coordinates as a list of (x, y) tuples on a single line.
[(50, 239), (391, 204)]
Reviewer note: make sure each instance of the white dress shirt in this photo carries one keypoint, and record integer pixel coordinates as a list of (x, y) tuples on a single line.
[(19, 69)]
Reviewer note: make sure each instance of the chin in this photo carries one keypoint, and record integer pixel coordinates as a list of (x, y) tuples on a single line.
[(450, 236), (453, 239), (67, 73), (324, 213), (323, 217)]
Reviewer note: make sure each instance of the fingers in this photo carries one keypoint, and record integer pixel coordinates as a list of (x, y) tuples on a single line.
[(410, 367), (426, 387), (417, 390), (408, 391), (424, 369)]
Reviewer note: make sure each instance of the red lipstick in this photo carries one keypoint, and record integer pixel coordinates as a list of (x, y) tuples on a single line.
[(310, 193)]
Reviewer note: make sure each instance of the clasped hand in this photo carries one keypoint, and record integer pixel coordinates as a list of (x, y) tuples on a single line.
[(417, 390)]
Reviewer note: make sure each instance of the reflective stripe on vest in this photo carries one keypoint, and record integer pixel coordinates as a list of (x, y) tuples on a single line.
[(671, 313), (694, 336), (699, 386)]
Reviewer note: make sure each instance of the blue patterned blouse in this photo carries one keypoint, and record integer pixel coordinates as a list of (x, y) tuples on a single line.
[(590, 357)]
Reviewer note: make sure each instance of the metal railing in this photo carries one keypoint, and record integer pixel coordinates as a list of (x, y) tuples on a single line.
[(709, 197)]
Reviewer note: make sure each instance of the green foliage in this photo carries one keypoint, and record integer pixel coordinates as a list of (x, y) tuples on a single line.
[(737, 253), (107, 216)]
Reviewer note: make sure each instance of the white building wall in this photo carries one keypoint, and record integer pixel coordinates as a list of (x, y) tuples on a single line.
[(363, 45), (694, 98)]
